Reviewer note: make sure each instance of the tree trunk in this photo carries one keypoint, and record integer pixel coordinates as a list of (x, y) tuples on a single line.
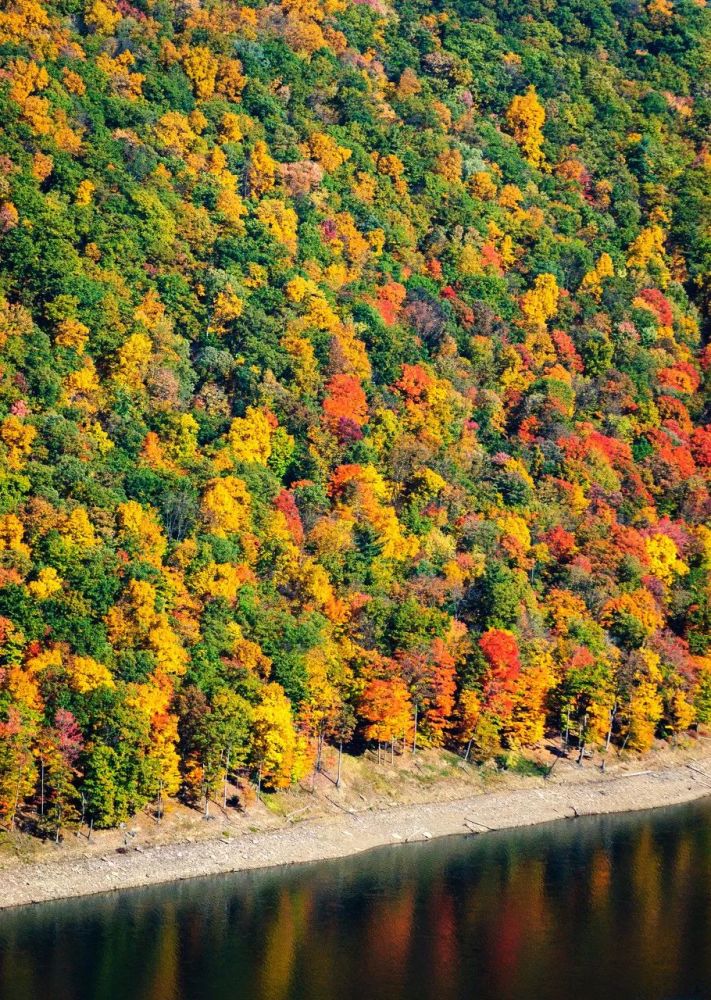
[(469, 747), (414, 736), (224, 785), (613, 713), (582, 734), (16, 803), (42, 786)]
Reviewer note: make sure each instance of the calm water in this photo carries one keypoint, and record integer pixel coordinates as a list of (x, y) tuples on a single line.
[(593, 909)]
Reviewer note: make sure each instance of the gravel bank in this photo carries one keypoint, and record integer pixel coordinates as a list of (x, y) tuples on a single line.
[(352, 832)]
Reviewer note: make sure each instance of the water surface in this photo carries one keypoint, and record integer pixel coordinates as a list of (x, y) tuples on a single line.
[(590, 909)]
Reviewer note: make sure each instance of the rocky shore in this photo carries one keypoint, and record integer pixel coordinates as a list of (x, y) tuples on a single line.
[(351, 830)]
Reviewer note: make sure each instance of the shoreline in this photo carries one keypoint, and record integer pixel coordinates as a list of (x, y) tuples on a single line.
[(352, 832)]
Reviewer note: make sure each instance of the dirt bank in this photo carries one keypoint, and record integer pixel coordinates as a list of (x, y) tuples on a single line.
[(569, 792)]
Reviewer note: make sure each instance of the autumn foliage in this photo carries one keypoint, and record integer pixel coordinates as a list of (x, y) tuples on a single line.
[(353, 388)]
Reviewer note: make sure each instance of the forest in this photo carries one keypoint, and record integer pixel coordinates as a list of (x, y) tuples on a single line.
[(353, 387)]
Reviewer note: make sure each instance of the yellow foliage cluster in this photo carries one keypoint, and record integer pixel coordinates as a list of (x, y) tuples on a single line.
[(306, 372), (232, 127), (78, 529), (200, 67), (639, 605), (132, 361), (28, 79), (226, 506), (592, 281), (248, 654), (176, 132), (11, 534), (223, 580), (280, 220), (73, 334), (540, 303), (526, 117), (27, 22), (514, 527), (42, 166), (102, 16), (281, 753), (250, 437), (646, 705), (482, 185), (370, 498), (449, 165), (231, 81), (664, 560), (325, 151), (125, 82), (262, 170), (48, 582), (87, 674), (73, 82), (227, 307), (647, 251), (140, 529), (85, 193), (17, 436)]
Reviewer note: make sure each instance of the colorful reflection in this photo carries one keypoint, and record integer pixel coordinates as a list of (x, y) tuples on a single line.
[(596, 908)]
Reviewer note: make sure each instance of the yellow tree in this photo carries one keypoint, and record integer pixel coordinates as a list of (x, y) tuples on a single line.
[(262, 170), (278, 752), (645, 706), (540, 303), (525, 118), (250, 436), (226, 506)]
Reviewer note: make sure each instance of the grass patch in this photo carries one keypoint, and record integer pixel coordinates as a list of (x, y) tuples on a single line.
[(516, 763)]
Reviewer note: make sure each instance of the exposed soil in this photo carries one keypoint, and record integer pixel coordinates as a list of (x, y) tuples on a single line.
[(411, 798)]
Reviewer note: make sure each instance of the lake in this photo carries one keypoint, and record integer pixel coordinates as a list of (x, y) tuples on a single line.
[(588, 909)]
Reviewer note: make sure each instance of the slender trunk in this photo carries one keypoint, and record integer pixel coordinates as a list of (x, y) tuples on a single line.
[(567, 727), (91, 828), (392, 751), (469, 747), (582, 734), (224, 786), (340, 755), (259, 781), (613, 713), (16, 803), (378, 751), (41, 786), (414, 736)]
